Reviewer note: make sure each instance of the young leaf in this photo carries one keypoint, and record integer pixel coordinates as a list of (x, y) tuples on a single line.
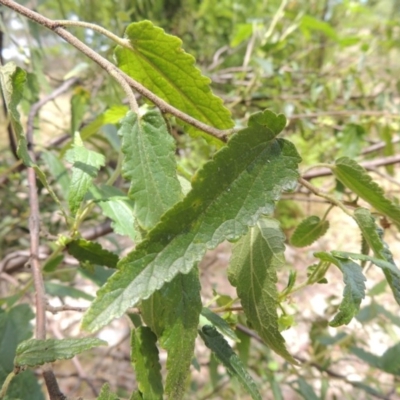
[(220, 347), (308, 231), (156, 60), (354, 290), (150, 166), (357, 180), (228, 194), (86, 164), (219, 323), (373, 236), (173, 315), (35, 352), (105, 393), (116, 206), (145, 362), (255, 259), (86, 251)]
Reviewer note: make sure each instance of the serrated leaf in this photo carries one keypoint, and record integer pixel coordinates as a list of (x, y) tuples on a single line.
[(255, 260), (86, 164), (87, 251), (150, 166), (106, 394), (353, 176), (219, 323), (173, 314), (145, 362), (220, 347), (354, 290), (116, 206), (157, 61), (373, 236), (308, 231), (12, 82), (35, 352), (228, 194)]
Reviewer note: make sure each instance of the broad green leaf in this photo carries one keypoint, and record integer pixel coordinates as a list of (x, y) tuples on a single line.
[(157, 60), (173, 315), (353, 176), (106, 394), (145, 362), (116, 206), (150, 166), (87, 251), (35, 352), (220, 347), (79, 104), (228, 194), (310, 23), (25, 385), (86, 164), (308, 231), (255, 260), (243, 32), (12, 81), (219, 323), (373, 236), (354, 290), (55, 289)]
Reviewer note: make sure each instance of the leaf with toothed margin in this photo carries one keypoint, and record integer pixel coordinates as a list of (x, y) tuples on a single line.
[(230, 192), (158, 62)]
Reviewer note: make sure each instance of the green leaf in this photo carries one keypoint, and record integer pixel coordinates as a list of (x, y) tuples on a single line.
[(57, 171), (86, 251), (308, 231), (144, 357), (157, 60), (55, 289), (25, 385), (220, 347), (150, 166), (12, 82), (219, 323), (173, 315), (306, 390), (35, 352), (105, 393), (255, 260), (79, 104), (373, 236), (228, 194), (353, 176), (116, 206), (354, 290), (86, 164)]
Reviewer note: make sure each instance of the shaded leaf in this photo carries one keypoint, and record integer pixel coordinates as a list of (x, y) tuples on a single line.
[(220, 347), (35, 352), (354, 290), (305, 390), (308, 231), (144, 357), (55, 289), (353, 176), (57, 170), (86, 164), (157, 60), (106, 394), (79, 104), (228, 194), (87, 251), (255, 260), (219, 323), (150, 166), (25, 385)]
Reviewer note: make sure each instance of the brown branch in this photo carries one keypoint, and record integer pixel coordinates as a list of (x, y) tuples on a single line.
[(113, 70)]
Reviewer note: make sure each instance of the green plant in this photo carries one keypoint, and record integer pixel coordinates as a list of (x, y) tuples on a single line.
[(174, 221)]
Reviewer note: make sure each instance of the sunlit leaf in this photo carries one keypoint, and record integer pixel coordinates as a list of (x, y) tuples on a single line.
[(106, 394), (308, 231)]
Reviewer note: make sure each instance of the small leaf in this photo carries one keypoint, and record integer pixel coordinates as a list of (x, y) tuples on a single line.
[(144, 356), (353, 176), (116, 206), (57, 171), (306, 390), (308, 231), (150, 166), (354, 290), (220, 347), (219, 323), (86, 164), (255, 260), (79, 104), (33, 352), (86, 251), (228, 194), (156, 60), (105, 393)]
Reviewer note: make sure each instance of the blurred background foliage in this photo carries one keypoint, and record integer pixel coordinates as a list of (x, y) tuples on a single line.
[(331, 66)]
